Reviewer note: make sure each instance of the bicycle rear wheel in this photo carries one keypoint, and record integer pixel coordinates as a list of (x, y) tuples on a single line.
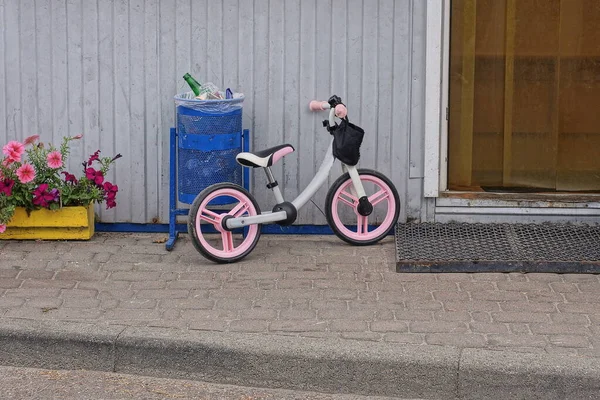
[(341, 208), (205, 226)]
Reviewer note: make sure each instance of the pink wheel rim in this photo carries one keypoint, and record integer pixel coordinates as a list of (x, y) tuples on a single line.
[(343, 197), (244, 207)]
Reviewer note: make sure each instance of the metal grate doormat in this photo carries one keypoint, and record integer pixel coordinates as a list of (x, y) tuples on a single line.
[(479, 247)]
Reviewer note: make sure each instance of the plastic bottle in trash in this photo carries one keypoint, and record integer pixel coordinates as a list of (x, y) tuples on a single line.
[(196, 87)]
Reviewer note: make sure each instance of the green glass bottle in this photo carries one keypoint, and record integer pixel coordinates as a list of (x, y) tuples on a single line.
[(193, 83)]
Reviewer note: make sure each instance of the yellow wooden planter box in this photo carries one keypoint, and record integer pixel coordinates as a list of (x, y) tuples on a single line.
[(68, 223)]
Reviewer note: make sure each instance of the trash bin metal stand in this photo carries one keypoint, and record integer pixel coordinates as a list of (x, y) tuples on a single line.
[(173, 210)]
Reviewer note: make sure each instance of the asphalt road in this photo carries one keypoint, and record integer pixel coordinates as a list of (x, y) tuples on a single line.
[(30, 383)]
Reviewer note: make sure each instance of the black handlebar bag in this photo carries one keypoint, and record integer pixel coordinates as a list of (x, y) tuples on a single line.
[(347, 139)]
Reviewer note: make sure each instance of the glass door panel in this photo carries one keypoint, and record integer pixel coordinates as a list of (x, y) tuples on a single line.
[(524, 85), (578, 157)]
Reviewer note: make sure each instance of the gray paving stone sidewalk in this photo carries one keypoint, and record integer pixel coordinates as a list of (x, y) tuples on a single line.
[(315, 286)]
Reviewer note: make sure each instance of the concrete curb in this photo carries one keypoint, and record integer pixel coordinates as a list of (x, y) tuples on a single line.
[(485, 374), (325, 365)]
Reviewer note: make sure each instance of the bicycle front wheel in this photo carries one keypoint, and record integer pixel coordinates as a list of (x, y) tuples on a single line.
[(341, 208), (205, 226)]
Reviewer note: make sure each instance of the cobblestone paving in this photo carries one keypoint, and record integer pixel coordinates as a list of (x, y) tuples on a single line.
[(312, 286)]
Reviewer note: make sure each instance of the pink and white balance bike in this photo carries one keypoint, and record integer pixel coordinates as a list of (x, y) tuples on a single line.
[(361, 207)]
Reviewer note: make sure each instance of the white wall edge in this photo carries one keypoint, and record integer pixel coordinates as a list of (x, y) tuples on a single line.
[(443, 182), (433, 96)]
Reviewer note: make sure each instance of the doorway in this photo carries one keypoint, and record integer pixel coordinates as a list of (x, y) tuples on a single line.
[(524, 96)]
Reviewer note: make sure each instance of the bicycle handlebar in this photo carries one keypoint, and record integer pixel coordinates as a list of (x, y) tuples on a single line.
[(317, 105), (340, 110)]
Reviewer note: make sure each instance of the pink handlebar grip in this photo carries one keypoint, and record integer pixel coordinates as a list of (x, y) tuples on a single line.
[(317, 105), (341, 111)]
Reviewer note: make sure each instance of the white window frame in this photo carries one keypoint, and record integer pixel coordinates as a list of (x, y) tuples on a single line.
[(437, 53)]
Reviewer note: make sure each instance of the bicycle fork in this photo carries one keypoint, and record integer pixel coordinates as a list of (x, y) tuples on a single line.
[(364, 207)]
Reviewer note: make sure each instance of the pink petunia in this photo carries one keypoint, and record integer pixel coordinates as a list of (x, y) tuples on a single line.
[(42, 196), (95, 176), (94, 157), (26, 173), (69, 178), (31, 139), (6, 186), (2, 228), (110, 188), (111, 194), (13, 150), (54, 159)]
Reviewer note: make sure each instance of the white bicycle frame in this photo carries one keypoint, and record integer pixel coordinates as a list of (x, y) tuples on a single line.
[(318, 180)]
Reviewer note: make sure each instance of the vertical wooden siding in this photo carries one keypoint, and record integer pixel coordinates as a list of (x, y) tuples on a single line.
[(109, 69)]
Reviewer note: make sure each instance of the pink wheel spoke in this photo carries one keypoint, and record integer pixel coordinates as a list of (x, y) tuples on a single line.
[(227, 238), (349, 195), (362, 225), (207, 219), (210, 213), (378, 197), (239, 210), (350, 200)]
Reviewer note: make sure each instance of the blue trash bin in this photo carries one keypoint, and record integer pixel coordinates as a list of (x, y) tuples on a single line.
[(209, 136)]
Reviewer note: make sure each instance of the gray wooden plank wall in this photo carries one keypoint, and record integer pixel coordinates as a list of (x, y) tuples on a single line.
[(109, 69)]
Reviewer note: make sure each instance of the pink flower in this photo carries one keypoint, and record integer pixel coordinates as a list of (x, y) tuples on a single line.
[(111, 193), (31, 139), (42, 196), (78, 136), (54, 159), (6, 186), (70, 178), (95, 176), (94, 157), (13, 150), (2, 228), (26, 173), (110, 203)]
